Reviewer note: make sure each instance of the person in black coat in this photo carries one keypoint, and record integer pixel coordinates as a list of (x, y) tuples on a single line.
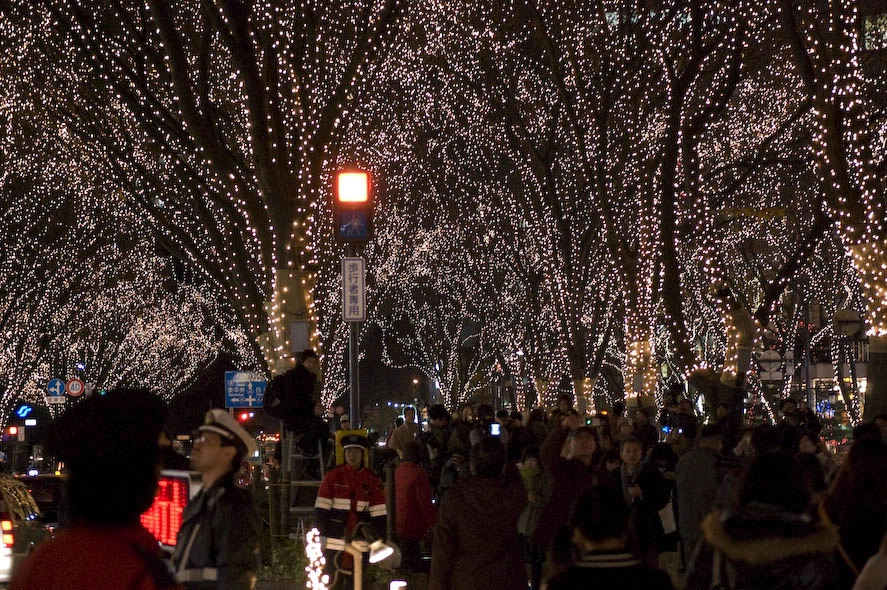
[(295, 389), (476, 543), (569, 475), (604, 560), (767, 539), (218, 543), (298, 392), (645, 430), (644, 491), (856, 504)]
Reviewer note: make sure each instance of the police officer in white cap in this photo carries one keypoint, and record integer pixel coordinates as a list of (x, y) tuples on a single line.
[(218, 543)]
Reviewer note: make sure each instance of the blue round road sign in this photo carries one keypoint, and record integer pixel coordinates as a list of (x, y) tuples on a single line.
[(55, 387)]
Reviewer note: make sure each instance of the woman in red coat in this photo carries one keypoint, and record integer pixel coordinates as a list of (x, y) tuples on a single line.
[(412, 499)]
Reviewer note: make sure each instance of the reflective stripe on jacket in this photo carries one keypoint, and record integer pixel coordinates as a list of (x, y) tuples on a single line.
[(218, 543)]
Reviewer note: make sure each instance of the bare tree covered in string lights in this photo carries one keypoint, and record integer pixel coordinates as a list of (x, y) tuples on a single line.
[(510, 232), (413, 297), (646, 104), (80, 302), (686, 71), (434, 240), (513, 129), (847, 146), (85, 290), (584, 138), (226, 114)]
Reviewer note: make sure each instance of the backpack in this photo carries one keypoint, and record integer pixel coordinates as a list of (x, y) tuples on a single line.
[(273, 402)]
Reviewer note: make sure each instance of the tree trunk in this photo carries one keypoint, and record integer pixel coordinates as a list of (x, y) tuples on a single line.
[(876, 389)]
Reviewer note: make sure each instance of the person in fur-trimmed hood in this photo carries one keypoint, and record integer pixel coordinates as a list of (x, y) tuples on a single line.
[(769, 540)]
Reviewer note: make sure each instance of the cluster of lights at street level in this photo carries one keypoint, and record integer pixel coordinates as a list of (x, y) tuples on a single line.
[(317, 580)]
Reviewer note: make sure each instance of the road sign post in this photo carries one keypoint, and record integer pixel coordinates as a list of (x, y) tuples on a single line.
[(353, 221), (244, 389), (55, 391), (354, 312), (75, 387)]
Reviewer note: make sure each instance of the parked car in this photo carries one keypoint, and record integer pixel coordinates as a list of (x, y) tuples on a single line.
[(20, 526), (47, 490)]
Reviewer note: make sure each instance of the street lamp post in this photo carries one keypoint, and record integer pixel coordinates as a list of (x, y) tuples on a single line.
[(352, 217)]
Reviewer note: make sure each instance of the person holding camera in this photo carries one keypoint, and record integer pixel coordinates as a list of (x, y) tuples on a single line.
[(460, 428), (569, 475), (487, 425), (645, 429)]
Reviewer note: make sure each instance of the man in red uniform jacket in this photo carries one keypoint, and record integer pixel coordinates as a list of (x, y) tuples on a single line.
[(348, 495), (412, 500)]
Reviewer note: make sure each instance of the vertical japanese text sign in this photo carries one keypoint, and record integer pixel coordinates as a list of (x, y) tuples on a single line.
[(354, 291)]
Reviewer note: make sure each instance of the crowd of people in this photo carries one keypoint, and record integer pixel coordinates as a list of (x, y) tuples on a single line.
[(633, 498), (639, 499)]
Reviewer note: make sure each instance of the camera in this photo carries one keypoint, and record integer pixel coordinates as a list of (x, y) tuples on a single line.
[(495, 429)]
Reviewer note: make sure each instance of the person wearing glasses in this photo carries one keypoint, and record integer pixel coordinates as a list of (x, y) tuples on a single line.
[(218, 543)]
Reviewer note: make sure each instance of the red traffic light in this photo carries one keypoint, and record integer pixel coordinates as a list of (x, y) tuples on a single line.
[(353, 186), (352, 205), (243, 417)]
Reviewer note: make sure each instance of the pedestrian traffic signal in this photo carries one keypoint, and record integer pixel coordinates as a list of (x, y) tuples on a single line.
[(352, 205)]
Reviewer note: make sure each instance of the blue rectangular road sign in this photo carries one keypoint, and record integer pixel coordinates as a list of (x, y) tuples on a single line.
[(244, 389)]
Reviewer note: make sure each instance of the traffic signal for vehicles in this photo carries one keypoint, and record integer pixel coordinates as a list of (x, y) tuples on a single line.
[(352, 205), (244, 417), (11, 433)]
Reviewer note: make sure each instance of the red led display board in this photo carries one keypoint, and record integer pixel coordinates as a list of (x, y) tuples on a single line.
[(164, 518)]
